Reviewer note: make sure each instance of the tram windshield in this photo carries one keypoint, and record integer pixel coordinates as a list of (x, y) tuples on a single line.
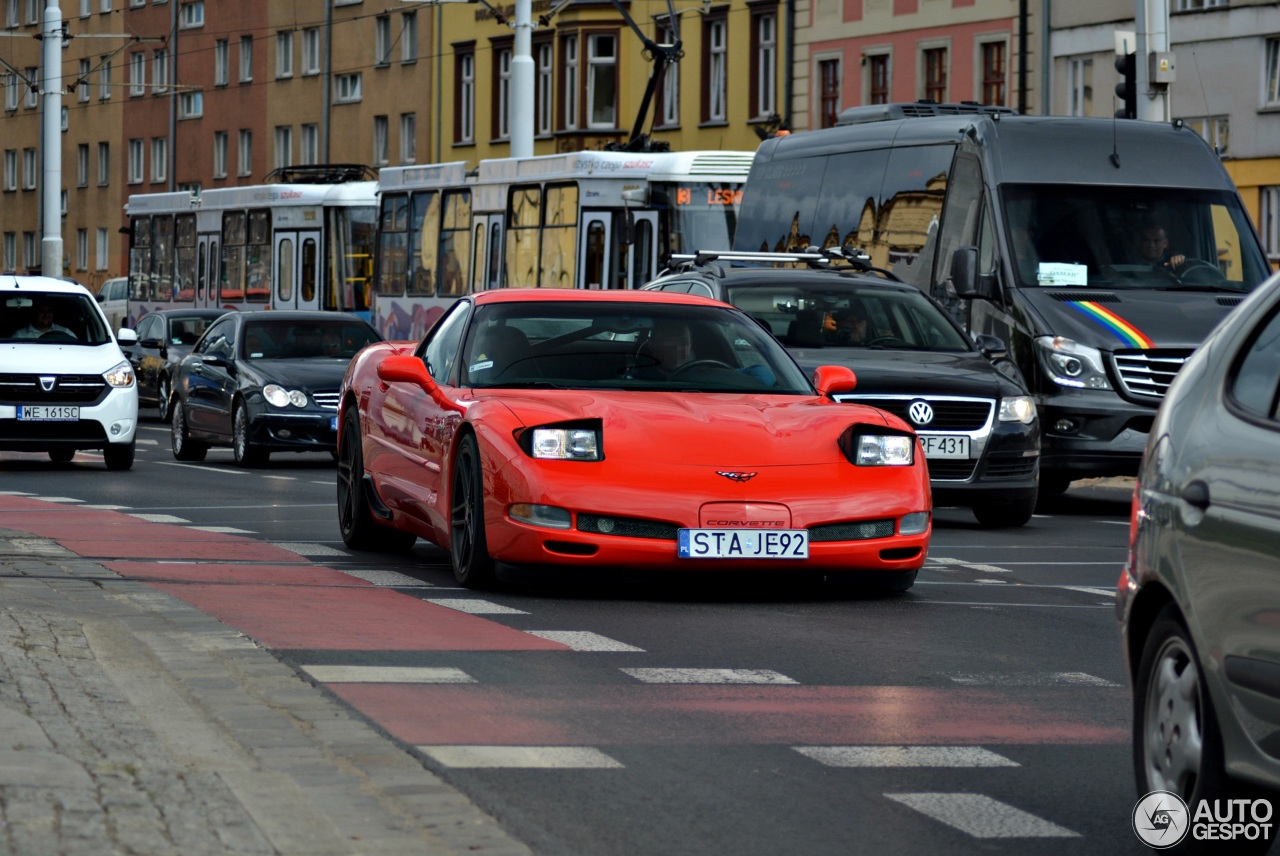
[(703, 214)]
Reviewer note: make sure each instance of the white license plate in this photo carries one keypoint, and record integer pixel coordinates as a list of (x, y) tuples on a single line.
[(945, 446), (743, 544), (49, 413)]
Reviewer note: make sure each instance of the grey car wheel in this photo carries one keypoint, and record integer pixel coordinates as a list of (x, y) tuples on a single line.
[(246, 453), (162, 398), (184, 448)]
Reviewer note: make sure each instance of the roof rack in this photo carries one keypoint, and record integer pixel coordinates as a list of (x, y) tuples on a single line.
[(321, 173), (814, 257), (918, 109)]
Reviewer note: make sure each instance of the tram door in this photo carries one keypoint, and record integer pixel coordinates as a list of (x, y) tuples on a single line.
[(618, 248), (208, 269), (298, 265), (486, 252)]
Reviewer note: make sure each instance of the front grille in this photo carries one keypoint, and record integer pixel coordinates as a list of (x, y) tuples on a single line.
[(328, 399), (627, 527), (67, 389), (944, 470), (1147, 374), (862, 530), (949, 414), (1010, 468)]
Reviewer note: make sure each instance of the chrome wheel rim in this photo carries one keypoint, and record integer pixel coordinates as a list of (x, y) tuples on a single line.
[(163, 399), (178, 428), (1174, 726), (240, 430)]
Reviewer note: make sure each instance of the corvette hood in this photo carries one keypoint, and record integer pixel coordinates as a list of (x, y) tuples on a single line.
[(702, 428), (1132, 318)]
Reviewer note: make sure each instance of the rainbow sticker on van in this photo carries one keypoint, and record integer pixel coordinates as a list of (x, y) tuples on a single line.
[(1123, 330)]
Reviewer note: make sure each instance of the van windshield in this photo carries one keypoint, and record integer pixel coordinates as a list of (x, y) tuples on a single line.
[(51, 318), (1131, 237)]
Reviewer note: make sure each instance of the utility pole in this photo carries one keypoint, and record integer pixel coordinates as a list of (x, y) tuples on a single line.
[(1154, 69), (522, 82), (51, 138)]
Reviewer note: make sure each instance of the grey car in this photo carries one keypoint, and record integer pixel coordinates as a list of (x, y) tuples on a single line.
[(1199, 598)]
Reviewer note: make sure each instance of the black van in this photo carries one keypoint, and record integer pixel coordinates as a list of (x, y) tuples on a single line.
[(1101, 251)]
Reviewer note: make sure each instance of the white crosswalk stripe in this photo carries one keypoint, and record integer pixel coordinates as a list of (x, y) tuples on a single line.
[(473, 606), (521, 757), (708, 676), (905, 756), (388, 675), (583, 640), (981, 816), (1033, 679)]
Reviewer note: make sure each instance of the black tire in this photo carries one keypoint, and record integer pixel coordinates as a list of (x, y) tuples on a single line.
[(184, 448), (1004, 515), (246, 453), (473, 567), (118, 456), (61, 456), (1054, 483), (162, 397), (1172, 713), (359, 529)]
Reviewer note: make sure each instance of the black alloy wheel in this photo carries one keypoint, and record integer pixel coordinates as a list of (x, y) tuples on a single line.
[(473, 567), (184, 448), (359, 530), (246, 453)]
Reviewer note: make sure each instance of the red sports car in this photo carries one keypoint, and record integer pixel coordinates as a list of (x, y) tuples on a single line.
[(623, 429)]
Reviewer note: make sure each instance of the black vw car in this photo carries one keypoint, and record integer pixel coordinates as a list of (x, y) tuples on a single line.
[(263, 382), (164, 338), (966, 401)]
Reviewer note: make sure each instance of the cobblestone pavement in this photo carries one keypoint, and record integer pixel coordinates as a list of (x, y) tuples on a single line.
[(132, 723)]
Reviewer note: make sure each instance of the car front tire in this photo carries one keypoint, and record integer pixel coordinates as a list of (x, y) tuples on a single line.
[(184, 448), (359, 530), (246, 454), (119, 456), (1004, 515), (473, 567), (162, 398)]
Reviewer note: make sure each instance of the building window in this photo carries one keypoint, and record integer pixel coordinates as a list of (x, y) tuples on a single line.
[(244, 153), (137, 74), (502, 98), (347, 87), (104, 164), (878, 78), (408, 138), (1216, 131), (11, 169), (10, 251), (246, 59), (311, 51), (1080, 87), (82, 165), (160, 71), (29, 253), (1271, 81), (1197, 5), (221, 62), (1269, 221), (464, 108), (82, 249), (33, 11), (935, 74), (379, 140), (191, 15), (33, 91), (544, 89), (159, 159), (602, 81), (104, 80), (764, 62), (829, 95), (219, 154), (569, 62), (668, 107), (284, 146), (84, 8), (310, 144), (11, 94), (284, 54), (136, 155), (715, 58), (409, 37), (382, 40), (102, 251), (190, 105), (82, 83), (30, 166), (994, 80)]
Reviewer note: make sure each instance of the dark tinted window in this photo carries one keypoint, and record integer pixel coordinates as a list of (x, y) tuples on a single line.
[(1254, 386)]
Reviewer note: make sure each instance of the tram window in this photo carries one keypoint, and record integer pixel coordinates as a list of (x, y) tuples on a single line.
[(185, 257), (642, 252), (454, 236), (162, 285), (215, 269), (308, 285), (393, 246), (495, 255), (524, 218), (258, 257), (231, 281), (477, 261), (424, 242), (284, 272), (559, 237), (593, 272), (201, 274)]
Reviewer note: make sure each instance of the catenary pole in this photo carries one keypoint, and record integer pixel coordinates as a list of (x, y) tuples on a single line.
[(51, 139)]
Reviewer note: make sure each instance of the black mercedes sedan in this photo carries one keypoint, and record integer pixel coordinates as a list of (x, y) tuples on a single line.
[(976, 422), (263, 382), (164, 338)]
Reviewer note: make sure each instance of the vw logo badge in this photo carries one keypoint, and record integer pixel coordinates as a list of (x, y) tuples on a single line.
[(921, 413)]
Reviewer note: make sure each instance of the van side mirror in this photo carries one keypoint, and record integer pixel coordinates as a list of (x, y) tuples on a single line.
[(964, 272)]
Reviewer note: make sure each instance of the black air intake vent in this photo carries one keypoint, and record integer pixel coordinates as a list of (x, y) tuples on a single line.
[(1085, 296), (1230, 301)]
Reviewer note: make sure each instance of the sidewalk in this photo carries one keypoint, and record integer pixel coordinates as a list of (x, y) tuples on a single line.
[(132, 723)]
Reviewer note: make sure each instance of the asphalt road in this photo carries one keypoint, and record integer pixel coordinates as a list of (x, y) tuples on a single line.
[(985, 711)]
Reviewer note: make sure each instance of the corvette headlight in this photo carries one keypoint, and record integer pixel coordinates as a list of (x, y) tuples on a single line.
[(1018, 408), (1072, 364), (277, 396), (885, 450), (566, 444), (120, 376)]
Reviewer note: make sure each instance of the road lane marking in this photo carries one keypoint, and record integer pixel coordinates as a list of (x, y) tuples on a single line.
[(225, 530), (308, 549), (1098, 590), (1033, 679), (389, 579), (225, 470), (388, 675), (986, 569), (473, 606), (521, 757), (709, 676), (160, 518), (905, 756), (981, 816), (63, 499), (583, 640), (281, 478)]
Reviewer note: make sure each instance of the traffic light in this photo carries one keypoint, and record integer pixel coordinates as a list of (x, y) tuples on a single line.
[(1127, 88)]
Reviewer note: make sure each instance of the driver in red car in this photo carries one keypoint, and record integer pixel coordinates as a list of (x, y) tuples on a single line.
[(671, 344)]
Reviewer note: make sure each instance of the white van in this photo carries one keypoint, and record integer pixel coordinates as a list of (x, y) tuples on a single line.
[(113, 297), (65, 385)]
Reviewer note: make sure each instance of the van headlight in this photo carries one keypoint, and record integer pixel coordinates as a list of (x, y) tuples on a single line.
[(1069, 363), (119, 376)]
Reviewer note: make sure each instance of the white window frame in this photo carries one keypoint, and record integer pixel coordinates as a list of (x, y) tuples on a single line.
[(545, 75), (348, 88), (598, 66), (244, 152), (284, 146), (33, 91), (766, 64), (29, 253), (382, 40), (1269, 221), (104, 164), (12, 14), (717, 69), (219, 154), (221, 62), (160, 71), (137, 155), (380, 144), (246, 59), (82, 165), (408, 37), (408, 138), (82, 249), (571, 97), (467, 98), (137, 73), (33, 11), (309, 144), (1080, 86), (311, 51), (191, 15), (159, 159), (12, 94), (504, 94), (104, 80), (82, 82), (30, 167), (191, 105), (284, 54), (102, 251), (10, 169), (10, 251), (1271, 73)]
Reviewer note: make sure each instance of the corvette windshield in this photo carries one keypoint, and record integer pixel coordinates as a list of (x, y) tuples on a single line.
[(632, 346)]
